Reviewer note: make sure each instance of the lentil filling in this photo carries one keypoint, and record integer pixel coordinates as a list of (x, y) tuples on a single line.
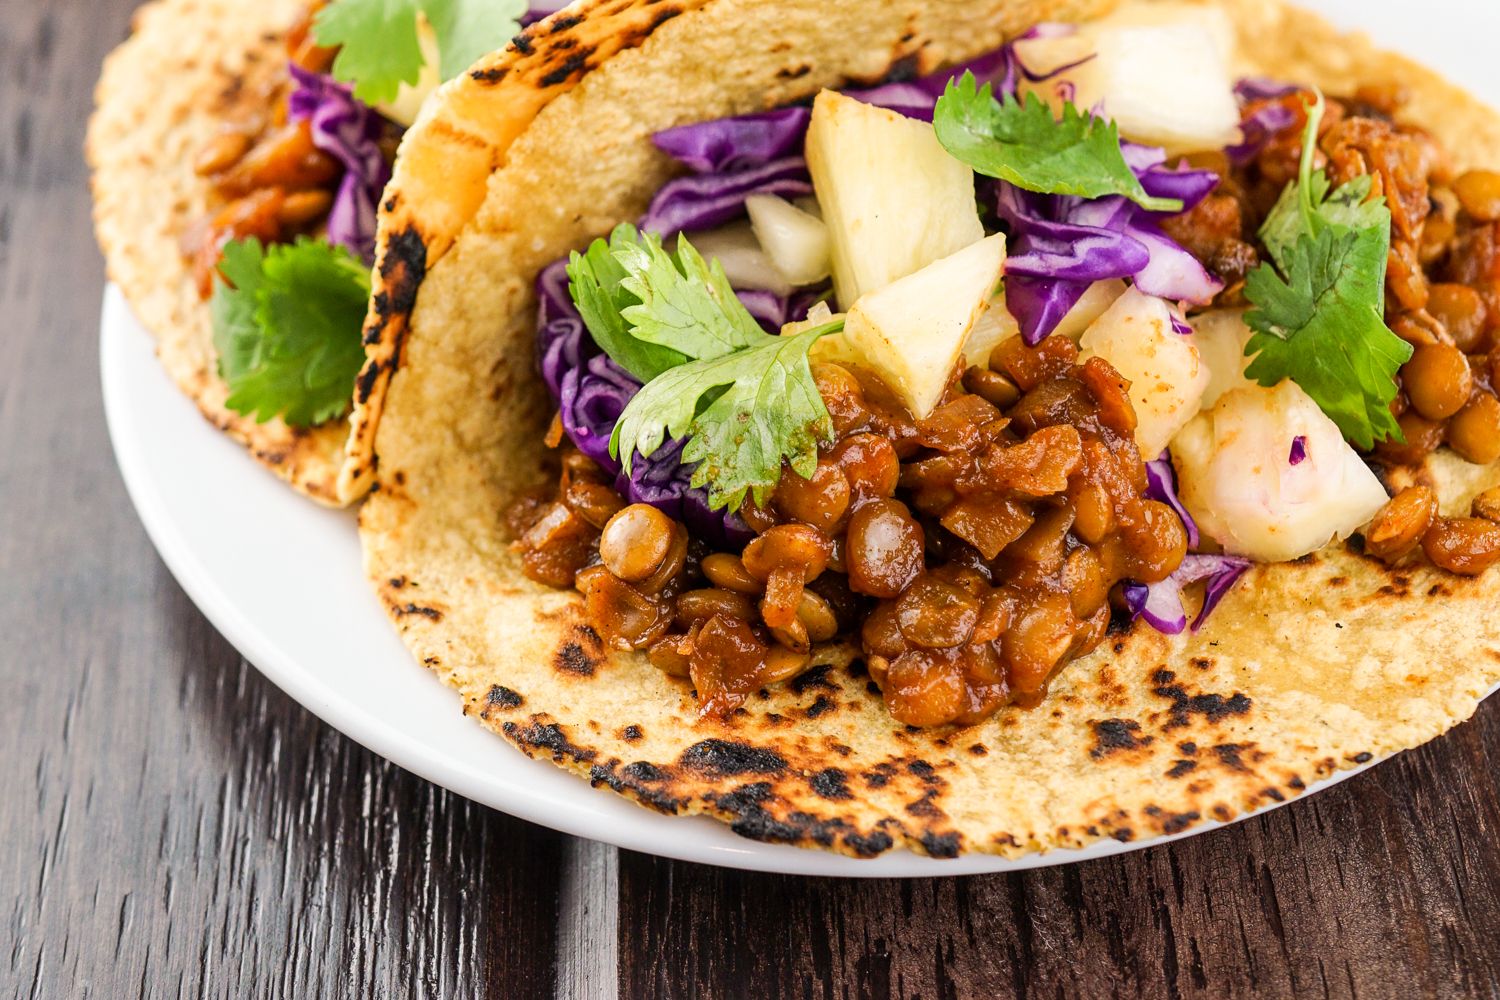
[(1442, 297), (968, 556), (269, 181)]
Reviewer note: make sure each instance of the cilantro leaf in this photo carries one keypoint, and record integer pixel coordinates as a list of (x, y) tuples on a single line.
[(651, 310), (1320, 319), (742, 412), (1323, 329), (596, 278), (378, 45), (687, 305), (286, 326), (380, 48), (468, 29), (1019, 141)]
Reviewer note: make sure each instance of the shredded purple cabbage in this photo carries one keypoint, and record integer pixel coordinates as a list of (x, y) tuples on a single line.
[(1060, 245), (535, 12), (1160, 604), (741, 143), (1266, 121), (703, 201), (591, 392), (734, 158), (1298, 453), (1161, 484), (348, 130)]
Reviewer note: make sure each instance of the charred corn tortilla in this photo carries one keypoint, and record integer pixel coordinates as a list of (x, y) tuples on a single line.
[(161, 99), (1306, 669)]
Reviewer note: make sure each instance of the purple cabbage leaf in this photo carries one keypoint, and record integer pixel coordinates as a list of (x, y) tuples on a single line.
[(350, 131)]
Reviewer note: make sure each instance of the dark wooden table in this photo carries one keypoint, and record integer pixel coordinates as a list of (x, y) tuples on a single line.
[(172, 825)]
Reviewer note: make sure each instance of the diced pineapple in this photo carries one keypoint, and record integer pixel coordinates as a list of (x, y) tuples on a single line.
[(403, 110), (1162, 71), (1167, 376), (745, 263), (994, 326), (1222, 335), (912, 333), (1236, 477), (794, 240), (1095, 301), (892, 197)]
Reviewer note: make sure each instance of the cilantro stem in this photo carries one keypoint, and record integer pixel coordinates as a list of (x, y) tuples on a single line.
[(1315, 111)]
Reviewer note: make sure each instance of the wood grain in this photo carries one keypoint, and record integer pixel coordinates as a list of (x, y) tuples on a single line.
[(172, 825), (1386, 886)]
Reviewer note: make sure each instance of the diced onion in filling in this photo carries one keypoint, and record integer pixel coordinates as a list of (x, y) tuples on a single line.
[(745, 263), (794, 240)]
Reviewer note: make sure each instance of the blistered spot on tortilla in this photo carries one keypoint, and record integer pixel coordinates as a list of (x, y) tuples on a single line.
[(1181, 767), (574, 659), (942, 845), (501, 696), (831, 783), (1212, 707), (721, 758), (549, 736), (424, 610), (819, 707), (816, 677), (1111, 735), (1170, 823), (1230, 755), (632, 734)]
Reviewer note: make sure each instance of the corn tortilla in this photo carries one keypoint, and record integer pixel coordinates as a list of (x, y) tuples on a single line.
[(1307, 668)]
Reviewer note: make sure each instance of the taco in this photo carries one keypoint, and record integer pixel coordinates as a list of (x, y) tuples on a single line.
[(238, 152), (966, 427)]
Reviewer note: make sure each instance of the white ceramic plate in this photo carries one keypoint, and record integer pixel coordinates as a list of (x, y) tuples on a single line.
[(281, 579)]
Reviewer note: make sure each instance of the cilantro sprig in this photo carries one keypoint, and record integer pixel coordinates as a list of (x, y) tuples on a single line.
[(1019, 141), (745, 400), (1319, 312), (286, 326), (380, 48), (742, 413)]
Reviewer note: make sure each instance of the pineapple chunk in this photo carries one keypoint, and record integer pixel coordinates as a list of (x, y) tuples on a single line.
[(1167, 376), (1222, 335), (1236, 477), (1162, 71), (912, 333), (796, 241), (1099, 297), (410, 99), (893, 199), (995, 326)]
